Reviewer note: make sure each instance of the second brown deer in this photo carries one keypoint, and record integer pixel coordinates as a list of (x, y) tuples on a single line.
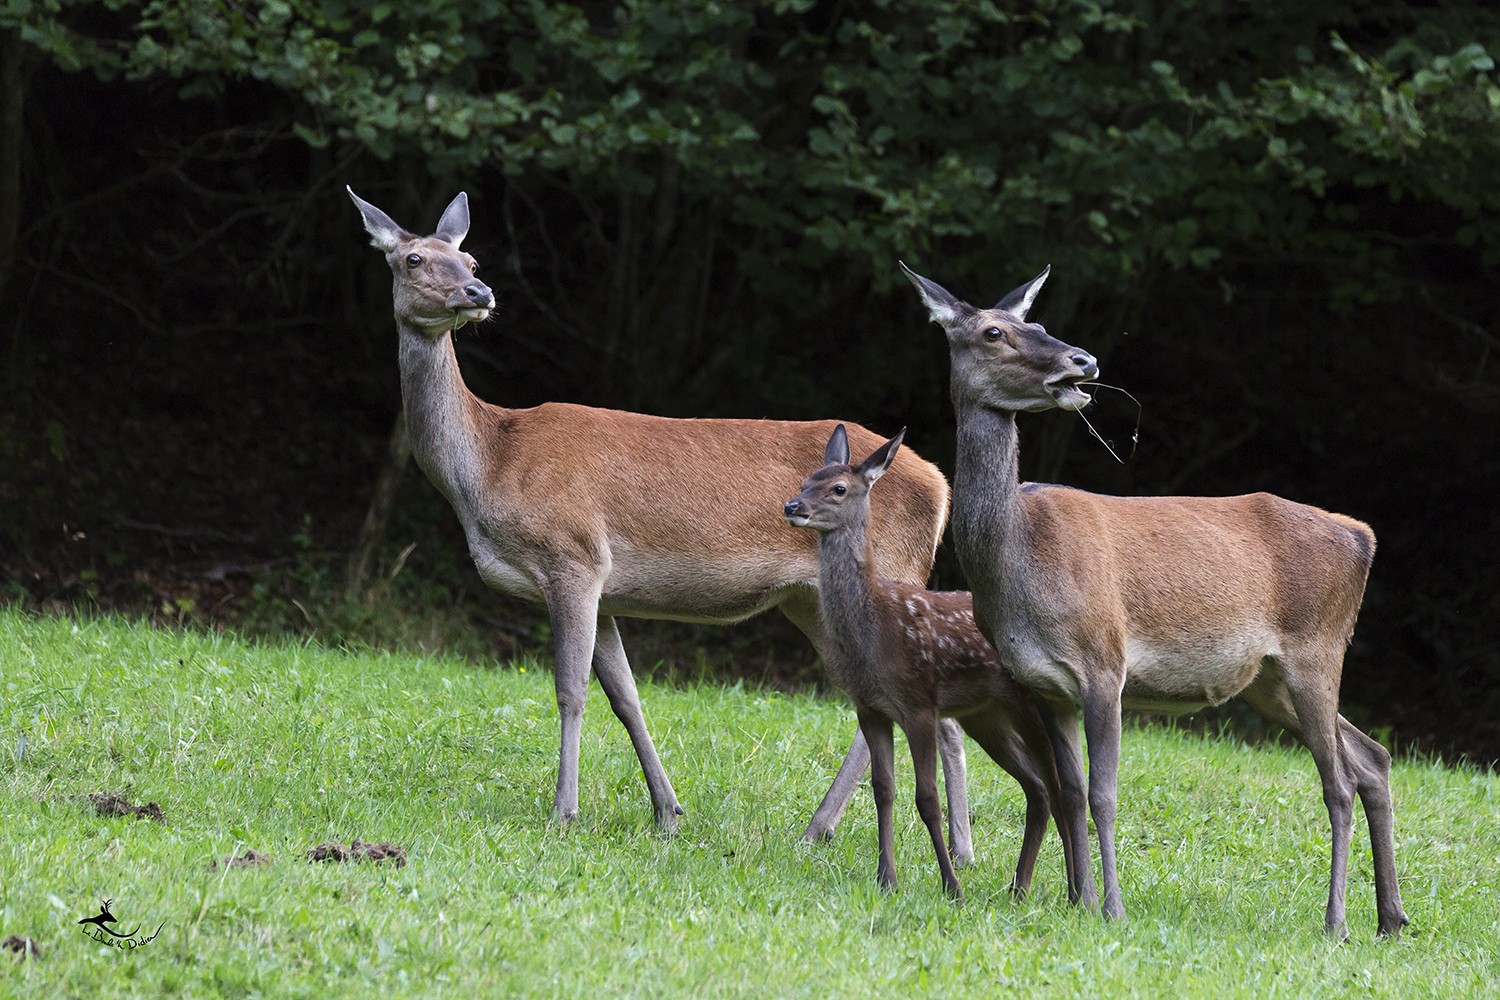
[(913, 657)]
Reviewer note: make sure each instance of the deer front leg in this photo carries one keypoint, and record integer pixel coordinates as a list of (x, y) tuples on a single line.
[(574, 614), (1101, 726), (877, 732), (1061, 722), (921, 739), (613, 670)]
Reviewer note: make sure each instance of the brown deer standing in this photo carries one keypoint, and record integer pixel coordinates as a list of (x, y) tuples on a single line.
[(571, 507), (914, 656), (1160, 603)]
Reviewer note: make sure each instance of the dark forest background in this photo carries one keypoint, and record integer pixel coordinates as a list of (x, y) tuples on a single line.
[(1276, 225)]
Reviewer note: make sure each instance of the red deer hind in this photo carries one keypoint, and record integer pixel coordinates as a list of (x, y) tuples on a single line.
[(1163, 603)]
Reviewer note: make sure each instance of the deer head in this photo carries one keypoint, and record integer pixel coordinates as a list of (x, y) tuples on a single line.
[(838, 494), (1001, 361), (436, 290)]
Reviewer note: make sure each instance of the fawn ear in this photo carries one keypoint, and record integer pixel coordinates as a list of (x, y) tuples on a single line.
[(874, 467), (384, 233), (942, 307), (1018, 302), (454, 225), (837, 452)]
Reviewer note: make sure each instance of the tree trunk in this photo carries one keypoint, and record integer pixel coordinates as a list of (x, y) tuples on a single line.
[(387, 484)]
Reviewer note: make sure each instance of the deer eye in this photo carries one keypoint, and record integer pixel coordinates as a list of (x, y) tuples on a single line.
[(413, 260), (473, 267), (992, 335), (840, 489)]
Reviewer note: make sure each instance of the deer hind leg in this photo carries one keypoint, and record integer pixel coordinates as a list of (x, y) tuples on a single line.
[(613, 671), (1007, 750), (1370, 767), (1061, 723), (950, 747), (921, 740), (1295, 692)]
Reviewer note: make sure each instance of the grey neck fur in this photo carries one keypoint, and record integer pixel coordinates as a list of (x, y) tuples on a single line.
[(846, 582), (439, 418), (988, 519)]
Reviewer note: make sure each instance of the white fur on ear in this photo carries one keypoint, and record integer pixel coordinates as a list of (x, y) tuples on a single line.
[(881, 458), (1018, 302), (942, 308), (384, 233), (940, 312)]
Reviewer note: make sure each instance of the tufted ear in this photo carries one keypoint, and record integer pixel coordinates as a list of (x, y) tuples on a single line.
[(454, 225), (837, 452), (1018, 303), (384, 233), (942, 307), (881, 458)]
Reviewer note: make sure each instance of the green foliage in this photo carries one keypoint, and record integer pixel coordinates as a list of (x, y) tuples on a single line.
[(1120, 135), (278, 747)]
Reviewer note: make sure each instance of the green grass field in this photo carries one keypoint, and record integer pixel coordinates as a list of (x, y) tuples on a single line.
[(1223, 847)]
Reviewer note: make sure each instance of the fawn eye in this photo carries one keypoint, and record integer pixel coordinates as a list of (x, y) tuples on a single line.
[(413, 260), (840, 490)]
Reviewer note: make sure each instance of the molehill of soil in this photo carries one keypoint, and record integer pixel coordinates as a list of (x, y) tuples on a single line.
[(115, 804), (359, 850)]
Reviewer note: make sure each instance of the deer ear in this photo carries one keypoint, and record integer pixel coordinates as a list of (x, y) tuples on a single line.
[(454, 225), (384, 233), (880, 460), (1018, 303), (837, 452), (942, 308)]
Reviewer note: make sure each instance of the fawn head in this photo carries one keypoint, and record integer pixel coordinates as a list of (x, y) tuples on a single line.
[(838, 494), (1001, 361), (436, 289)]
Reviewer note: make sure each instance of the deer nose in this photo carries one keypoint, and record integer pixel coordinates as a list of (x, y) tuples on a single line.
[(1086, 363), (479, 293), (791, 508)]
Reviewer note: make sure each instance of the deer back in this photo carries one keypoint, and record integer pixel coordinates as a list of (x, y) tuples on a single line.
[(645, 495)]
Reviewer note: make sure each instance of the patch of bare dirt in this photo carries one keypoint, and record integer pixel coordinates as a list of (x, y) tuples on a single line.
[(24, 947), (115, 804), (250, 858), (359, 850)]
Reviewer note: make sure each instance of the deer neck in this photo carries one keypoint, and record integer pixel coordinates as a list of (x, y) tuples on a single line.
[(990, 528), (440, 414), (846, 588)]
